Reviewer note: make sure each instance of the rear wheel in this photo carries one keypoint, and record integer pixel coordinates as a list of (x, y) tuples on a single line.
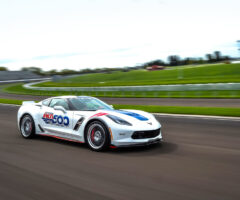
[(27, 127), (97, 136)]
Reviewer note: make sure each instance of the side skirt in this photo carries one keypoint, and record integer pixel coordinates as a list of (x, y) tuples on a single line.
[(61, 138)]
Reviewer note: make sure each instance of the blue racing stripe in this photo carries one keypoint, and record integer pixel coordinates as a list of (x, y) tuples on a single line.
[(132, 114)]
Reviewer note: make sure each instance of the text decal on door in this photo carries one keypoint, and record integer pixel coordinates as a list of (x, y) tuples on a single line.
[(59, 120)]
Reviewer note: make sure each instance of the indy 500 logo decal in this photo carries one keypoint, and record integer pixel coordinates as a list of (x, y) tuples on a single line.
[(50, 118)]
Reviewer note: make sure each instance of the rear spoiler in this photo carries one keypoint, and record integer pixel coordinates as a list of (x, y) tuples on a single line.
[(28, 102)]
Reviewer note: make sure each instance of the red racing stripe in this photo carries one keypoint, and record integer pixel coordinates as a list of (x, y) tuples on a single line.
[(57, 137), (99, 114)]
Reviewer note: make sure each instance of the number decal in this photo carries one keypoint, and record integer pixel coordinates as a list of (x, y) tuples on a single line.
[(58, 120)]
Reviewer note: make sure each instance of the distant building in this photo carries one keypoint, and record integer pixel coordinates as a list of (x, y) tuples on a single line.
[(155, 67)]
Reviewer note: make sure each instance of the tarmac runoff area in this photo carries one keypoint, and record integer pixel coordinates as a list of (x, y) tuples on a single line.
[(198, 159)]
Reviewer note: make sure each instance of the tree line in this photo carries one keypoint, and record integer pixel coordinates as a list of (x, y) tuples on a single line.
[(173, 60)]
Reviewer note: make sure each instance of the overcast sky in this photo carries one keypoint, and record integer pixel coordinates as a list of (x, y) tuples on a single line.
[(77, 34)]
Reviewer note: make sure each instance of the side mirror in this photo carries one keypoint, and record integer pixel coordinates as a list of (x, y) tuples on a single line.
[(60, 108)]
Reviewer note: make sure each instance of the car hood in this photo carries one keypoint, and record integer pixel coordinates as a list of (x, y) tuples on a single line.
[(133, 116)]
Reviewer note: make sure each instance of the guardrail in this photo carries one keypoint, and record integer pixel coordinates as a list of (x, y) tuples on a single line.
[(182, 87)]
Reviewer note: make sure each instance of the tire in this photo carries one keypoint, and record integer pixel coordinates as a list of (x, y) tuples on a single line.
[(27, 127), (97, 136)]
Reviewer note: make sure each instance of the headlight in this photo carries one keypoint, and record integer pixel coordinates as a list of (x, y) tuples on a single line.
[(118, 120)]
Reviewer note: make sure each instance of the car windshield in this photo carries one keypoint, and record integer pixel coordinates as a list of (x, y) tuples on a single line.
[(88, 104)]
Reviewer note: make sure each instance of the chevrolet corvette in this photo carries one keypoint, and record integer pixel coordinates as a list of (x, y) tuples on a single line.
[(88, 120)]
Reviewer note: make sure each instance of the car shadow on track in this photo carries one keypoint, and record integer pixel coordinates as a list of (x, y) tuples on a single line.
[(160, 148), (60, 141)]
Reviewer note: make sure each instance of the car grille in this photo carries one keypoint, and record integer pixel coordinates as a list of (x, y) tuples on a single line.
[(145, 134)]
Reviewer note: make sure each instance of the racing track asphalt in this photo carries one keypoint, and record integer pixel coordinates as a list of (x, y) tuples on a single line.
[(199, 159)]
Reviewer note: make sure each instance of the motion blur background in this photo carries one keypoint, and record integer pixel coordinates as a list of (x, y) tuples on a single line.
[(83, 46), (73, 34), (178, 59)]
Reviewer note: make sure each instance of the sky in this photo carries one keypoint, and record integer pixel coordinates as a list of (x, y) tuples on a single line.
[(80, 34)]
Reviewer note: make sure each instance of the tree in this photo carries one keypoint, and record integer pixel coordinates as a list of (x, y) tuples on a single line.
[(67, 72), (51, 72), (151, 63), (218, 55), (200, 61), (156, 62), (209, 57), (3, 69), (188, 61), (35, 70), (174, 60)]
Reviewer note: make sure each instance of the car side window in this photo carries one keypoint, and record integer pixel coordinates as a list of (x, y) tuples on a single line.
[(59, 102), (46, 102)]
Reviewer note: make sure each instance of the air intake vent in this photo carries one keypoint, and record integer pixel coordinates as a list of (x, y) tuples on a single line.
[(78, 124), (145, 134), (40, 128)]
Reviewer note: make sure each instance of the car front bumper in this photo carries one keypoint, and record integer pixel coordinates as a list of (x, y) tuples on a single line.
[(127, 142)]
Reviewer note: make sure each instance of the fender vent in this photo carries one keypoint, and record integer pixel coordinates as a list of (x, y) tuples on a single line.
[(40, 128), (78, 124)]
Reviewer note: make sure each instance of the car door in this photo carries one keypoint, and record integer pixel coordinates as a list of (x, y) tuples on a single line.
[(43, 119), (57, 121)]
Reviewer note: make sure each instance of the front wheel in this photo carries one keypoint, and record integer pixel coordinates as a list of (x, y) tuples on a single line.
[(97, 136), (27, 127)]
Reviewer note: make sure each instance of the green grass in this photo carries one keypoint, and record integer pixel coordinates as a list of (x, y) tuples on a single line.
[(190, 74), (11, 101), (18, 89), (216, 73), (235, 112)]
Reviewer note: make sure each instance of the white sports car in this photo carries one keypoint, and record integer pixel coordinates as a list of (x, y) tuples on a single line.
[(88, 119)]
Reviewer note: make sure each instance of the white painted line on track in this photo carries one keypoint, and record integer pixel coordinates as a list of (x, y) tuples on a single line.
[(198, 116), (174, 115), (13, 105), (23, 80)]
